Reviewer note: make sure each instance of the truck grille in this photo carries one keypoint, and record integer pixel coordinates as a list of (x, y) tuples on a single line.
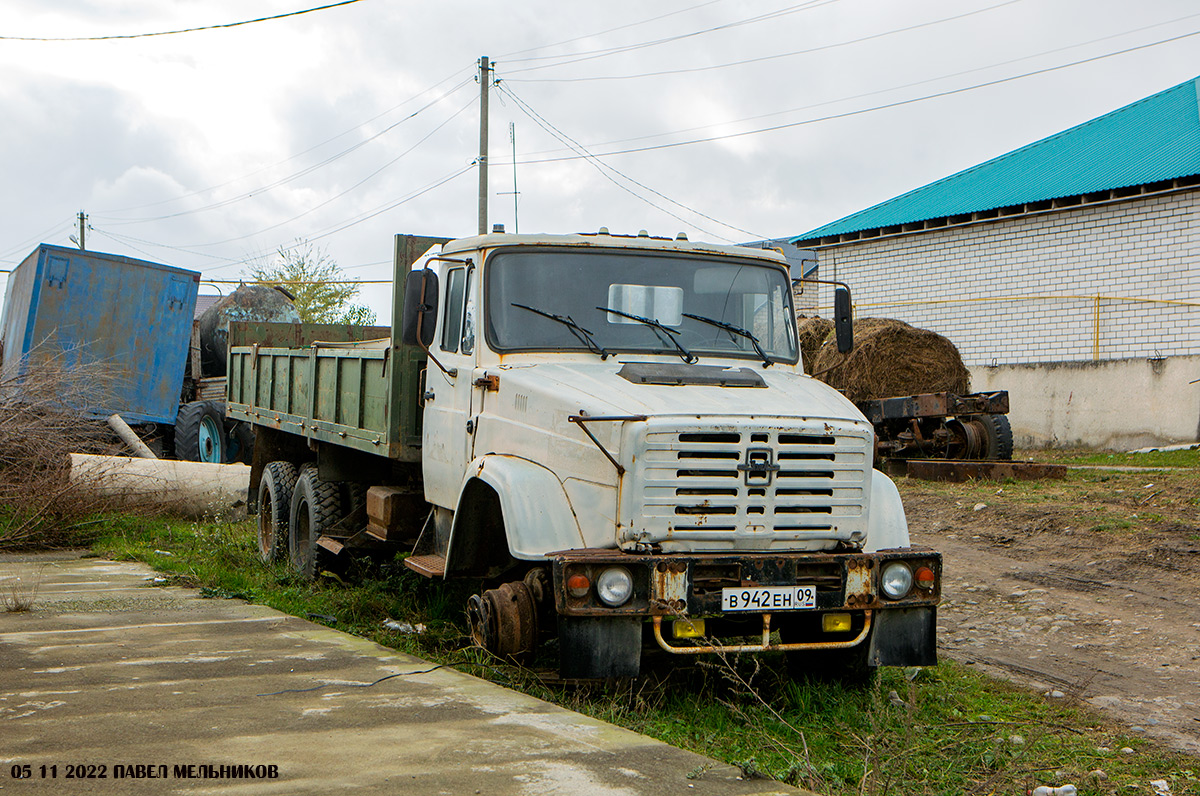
[(779, 485)]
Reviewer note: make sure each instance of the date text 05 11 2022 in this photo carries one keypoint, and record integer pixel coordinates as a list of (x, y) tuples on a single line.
[(143, 771)]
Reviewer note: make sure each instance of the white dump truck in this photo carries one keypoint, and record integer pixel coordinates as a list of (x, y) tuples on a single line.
[(613, 435)]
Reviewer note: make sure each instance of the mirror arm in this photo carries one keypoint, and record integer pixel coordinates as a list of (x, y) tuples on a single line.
[(821, 282), (420, 321)]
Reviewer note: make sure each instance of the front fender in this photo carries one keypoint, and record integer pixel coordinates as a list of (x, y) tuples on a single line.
[(537, 515), (887, 527)]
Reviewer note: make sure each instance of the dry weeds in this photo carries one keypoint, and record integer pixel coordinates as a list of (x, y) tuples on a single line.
[(47, 412), (17, 595)]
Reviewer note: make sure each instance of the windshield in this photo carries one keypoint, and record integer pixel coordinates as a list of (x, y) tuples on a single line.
[(638, 302)]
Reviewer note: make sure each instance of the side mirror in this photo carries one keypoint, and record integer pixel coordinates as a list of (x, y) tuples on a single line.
[(420, 308), (843, 319)]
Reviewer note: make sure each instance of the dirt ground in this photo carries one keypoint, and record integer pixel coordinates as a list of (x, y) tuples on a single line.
[(1086, 588)]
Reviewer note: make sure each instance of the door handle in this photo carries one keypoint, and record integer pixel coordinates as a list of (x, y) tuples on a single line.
[(428, 396)]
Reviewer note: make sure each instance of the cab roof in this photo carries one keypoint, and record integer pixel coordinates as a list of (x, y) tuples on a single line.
[(607, 240)]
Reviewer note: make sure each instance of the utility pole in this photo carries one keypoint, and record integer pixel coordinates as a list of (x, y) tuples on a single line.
[(82, 231), (485, 79)]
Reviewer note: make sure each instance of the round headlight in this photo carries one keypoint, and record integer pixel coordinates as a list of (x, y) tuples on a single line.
[(614, 587), (897, 580)]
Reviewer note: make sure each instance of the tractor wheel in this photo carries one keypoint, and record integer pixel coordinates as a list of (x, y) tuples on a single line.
[(200, 433)]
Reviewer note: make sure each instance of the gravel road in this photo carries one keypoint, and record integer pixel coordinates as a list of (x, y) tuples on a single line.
[(1069, 590)]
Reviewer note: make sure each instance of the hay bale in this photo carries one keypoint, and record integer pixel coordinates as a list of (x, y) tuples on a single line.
[(813, 332), (892, 358)]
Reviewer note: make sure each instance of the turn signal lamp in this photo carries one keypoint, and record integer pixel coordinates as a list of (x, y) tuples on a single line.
[(925, 578), (688, 628), (578, 585), (835, 623)]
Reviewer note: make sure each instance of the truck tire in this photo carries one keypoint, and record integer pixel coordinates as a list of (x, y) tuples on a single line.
[(998, 433), (200, 433), (274, 507), (316, 507)]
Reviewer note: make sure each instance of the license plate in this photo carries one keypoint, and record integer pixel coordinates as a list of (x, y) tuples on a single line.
[(769, 598)]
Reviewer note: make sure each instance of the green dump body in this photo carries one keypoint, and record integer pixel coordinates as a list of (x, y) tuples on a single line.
[(351, 386)]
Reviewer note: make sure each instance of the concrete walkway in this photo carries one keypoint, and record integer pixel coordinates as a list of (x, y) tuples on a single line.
[(118, 681)]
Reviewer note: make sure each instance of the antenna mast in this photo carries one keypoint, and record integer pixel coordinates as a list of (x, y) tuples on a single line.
[(512, 137)]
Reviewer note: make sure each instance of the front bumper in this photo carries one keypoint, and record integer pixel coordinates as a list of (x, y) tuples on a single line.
[(676, 588)]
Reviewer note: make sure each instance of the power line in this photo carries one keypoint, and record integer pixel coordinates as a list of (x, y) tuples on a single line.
[(372, 213), (886, 90), (183, 30), (601, 167), (129, 240), (358, 184), (759, 59), (61, 226), (337, 227), (512, 55), (860, 111), (299, 281), (290, 158), (295, 175), (594, 54), (366, 216)]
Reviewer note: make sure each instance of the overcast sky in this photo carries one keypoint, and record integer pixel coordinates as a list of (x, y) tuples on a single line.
[(211, 149)]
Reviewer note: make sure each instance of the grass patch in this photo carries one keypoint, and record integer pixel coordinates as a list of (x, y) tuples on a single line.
[(1178, 458), (943, 730), (1099, 501)]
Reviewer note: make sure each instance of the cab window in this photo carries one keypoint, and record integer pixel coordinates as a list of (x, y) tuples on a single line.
[(452, 314)]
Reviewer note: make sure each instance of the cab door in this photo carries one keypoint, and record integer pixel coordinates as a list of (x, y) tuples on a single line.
[(446, 439)]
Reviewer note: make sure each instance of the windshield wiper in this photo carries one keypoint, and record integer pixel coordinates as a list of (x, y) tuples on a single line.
[(729, 327), (659, 330), (581, 334)]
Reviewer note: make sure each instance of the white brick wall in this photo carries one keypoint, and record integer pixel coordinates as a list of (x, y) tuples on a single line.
[(1021, 290)]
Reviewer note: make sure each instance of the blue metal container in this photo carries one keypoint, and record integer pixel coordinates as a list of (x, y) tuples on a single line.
[(132, 316)]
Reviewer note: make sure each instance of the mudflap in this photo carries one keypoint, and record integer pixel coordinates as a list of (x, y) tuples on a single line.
[(904, 637), (596, 648)]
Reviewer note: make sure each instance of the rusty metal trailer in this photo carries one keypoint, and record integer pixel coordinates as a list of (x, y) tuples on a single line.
[(941, 425)]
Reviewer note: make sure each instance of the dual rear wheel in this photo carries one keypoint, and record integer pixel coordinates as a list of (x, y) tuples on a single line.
[(295, 508)]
